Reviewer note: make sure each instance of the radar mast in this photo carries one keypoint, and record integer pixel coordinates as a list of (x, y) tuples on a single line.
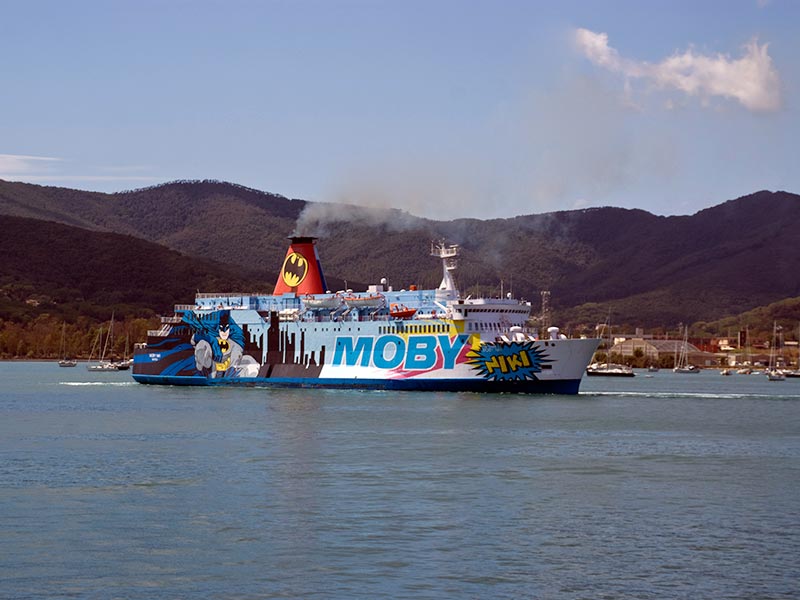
[(449, 255)]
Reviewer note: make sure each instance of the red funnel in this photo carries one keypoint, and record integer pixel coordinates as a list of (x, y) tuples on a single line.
[(301, 272)]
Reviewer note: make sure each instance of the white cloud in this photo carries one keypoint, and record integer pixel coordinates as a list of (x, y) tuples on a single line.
[(20, 164), (46, 169), (752, 79), (88, 178)]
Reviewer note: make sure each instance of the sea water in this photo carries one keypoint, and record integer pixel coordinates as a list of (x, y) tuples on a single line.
[(660, 486)]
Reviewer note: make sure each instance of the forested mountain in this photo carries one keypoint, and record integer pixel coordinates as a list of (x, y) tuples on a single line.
[(69, 272), (646, 270)]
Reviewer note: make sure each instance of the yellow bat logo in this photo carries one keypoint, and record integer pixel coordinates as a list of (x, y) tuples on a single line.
[(295, 269)]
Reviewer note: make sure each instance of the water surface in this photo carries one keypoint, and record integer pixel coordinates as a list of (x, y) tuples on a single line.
[(661, 486)]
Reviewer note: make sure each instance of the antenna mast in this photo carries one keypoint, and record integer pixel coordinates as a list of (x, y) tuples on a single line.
[(545, 309)]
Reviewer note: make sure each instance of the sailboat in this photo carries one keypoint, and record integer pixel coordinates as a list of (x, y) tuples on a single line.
[(609, 369), (103, 365), (64, 361), (126, 362), (682, 364), (773, 372)]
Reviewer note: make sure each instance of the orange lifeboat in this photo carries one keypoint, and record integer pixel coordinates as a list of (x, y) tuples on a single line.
[(401, 311)]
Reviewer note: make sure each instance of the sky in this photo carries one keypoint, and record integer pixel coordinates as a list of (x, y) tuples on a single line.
[(441, 108)]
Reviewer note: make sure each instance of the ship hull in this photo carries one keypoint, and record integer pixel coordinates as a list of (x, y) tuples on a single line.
[(564, 386)]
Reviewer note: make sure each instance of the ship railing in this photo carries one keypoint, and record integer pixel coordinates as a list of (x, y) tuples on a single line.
[(231, 295), (163, 332)]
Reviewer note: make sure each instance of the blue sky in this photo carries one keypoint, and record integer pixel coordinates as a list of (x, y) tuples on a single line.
[(440, 108)]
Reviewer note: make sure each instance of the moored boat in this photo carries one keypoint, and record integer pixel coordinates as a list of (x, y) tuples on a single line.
[(775, 375), (103, 365), (775, 357), (609, 370), (441, 340), (682, 364), (64, 361)]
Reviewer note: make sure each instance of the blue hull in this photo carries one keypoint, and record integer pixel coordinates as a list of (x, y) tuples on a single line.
[(568, 386)]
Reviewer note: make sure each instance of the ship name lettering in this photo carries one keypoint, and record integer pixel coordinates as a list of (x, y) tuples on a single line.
[(392, 351)]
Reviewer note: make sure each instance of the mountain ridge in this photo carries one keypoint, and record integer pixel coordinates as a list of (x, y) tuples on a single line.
[(651, 270)]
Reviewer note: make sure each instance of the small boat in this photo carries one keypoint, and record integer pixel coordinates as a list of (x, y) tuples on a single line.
[(102, 365), (682, 364), (65, 362), (775, 375), (609, 370), (652, 369), (369, 301), (773, 372), (127, 362), (123, 365), (401, 311), (322, 302), (725, 372)]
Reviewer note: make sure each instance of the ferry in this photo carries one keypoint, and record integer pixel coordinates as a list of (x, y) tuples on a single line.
[(303, 335)]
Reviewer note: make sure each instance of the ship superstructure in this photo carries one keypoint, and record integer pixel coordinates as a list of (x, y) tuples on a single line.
[(304, 335)]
